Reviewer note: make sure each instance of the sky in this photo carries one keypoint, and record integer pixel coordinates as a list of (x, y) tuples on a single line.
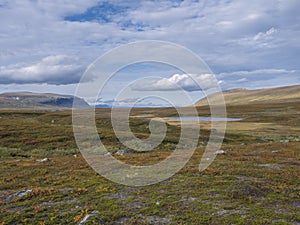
[(46, 45)]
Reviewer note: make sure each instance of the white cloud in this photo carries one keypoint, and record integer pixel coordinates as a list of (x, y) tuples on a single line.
[(262, 72), (228, 35), (58, 69), (165, 13), (242, 80), (265, 35), (254, 79), (187, 82)]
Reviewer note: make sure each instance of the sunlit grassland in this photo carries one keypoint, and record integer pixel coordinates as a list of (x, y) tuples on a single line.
[(256, 181)]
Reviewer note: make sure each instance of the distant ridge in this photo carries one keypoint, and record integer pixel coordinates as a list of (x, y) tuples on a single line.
[(240, 96), (45, 100)]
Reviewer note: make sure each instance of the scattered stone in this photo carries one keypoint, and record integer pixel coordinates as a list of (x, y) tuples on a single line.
[(220, 152), (244, 191), (122, 152), (213, 130), (123, 220), (284, 141), (108, 153), (134, 206), (266, 139), (67, 190), (295, 204), (158, 219), (271, 166), (204, 142), (43, 160), (145, 220), (184, 199), (245, 178), (19, 194), (275, 151), (50, 203), (120, 195), (84, 220), (223, 212)]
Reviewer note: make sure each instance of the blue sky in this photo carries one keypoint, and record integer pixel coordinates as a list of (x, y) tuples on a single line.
[(46, 45)]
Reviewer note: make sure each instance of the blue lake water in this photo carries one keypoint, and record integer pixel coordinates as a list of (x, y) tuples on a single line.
[(202, 119)]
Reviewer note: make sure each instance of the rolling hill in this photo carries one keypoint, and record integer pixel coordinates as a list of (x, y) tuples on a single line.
[(44, 100), (242, 96)]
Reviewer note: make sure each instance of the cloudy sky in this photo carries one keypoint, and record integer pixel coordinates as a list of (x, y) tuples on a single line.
[(46, 45)]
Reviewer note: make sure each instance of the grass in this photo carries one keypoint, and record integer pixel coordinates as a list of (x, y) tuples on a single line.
[(256, 181)]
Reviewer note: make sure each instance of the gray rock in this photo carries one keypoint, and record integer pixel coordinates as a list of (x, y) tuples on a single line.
[(122, 152), (275, 151), (108, 153), (84, 220), (158, 219), (43, 160), (214, 130), (220, 152), (271, 166), (19, 194)]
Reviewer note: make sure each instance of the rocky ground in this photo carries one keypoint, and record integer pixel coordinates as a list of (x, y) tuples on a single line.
[(253, 180)]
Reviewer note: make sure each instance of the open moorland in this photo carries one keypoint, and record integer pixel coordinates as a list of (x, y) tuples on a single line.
[(256, 179)]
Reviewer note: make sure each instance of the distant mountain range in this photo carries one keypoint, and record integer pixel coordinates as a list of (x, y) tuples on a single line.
[(43, 100), (242, 96), (237, 96)]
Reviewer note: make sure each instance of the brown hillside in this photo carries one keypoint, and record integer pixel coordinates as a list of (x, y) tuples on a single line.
[(268, 95)]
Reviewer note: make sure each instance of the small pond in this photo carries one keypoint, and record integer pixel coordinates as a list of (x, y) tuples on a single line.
[(202, 119)]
